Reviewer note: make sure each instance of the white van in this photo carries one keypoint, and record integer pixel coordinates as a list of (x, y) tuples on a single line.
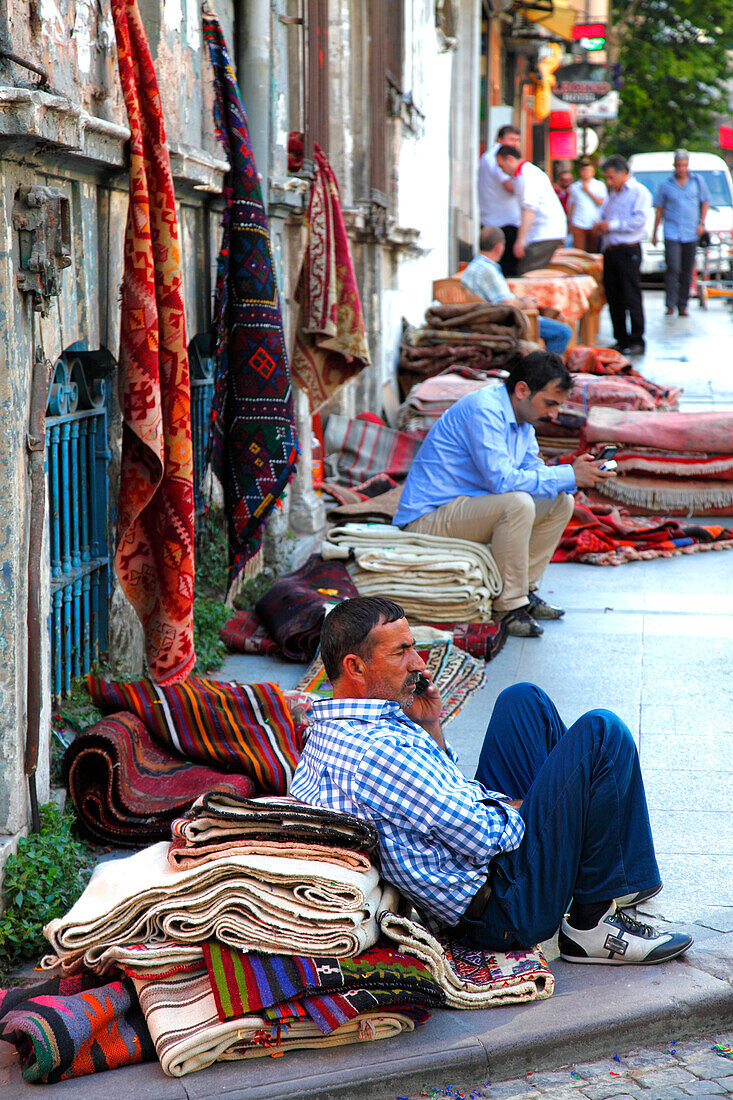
[(652, 169)]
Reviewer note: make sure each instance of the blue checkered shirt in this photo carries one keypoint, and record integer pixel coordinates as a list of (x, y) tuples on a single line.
[(437, 829)]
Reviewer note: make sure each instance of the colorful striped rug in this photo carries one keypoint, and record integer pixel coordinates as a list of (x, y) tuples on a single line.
[(245, 727)]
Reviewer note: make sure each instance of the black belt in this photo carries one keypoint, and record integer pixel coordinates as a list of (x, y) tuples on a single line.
[(479, 900), (615, 247)]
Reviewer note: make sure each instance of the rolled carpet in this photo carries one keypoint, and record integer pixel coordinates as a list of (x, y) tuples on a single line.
[(127, 788), (254, 903), (294, 607), (184, 1023)]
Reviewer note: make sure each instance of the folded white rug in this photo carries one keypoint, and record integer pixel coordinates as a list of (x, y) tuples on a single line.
[(434, 578), (253, 903), (471, 976), (184, 1024)]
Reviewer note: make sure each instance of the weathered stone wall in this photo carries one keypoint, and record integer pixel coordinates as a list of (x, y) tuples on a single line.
[(72, 136)]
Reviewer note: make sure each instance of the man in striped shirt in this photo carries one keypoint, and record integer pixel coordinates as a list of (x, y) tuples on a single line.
[(553, 815)]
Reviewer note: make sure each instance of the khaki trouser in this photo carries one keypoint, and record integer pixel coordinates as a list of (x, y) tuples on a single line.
[(521, 531)]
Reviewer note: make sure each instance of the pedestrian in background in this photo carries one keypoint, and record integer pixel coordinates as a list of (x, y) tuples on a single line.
[(543, 224), (498, 204), (562, 188), (622, 225), (587, 195), (682, 204)]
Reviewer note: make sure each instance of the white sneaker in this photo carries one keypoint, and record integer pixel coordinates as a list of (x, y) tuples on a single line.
[(619, 940)]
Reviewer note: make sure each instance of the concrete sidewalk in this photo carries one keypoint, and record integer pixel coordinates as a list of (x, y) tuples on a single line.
[(654, 642)]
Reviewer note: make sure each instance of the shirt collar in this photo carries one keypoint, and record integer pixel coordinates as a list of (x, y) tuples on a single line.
[(508, 407), (363, 709), (520, 166)]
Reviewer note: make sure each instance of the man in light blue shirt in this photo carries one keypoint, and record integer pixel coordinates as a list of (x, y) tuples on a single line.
[(479, 475), (682, 204), (623, 226), (484, 277)]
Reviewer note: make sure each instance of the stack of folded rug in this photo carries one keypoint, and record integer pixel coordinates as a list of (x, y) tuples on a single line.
[(475, 334), (680, 464), (435, 579)]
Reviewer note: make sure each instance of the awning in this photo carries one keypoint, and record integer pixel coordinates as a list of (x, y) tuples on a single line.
[(559, 21)]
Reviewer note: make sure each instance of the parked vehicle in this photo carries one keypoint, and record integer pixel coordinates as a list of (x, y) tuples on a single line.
[(652, 169)]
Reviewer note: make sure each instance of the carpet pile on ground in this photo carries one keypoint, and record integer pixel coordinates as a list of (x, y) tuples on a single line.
[(262, 927)]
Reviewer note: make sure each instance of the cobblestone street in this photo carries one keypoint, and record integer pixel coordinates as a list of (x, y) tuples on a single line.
[(691, 1068)]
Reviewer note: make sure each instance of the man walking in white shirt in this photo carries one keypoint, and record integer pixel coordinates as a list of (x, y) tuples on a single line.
[(497, 202), (623, 225), (543, 224)]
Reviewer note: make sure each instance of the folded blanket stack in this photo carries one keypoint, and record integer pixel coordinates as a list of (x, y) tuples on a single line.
[(434, 579), (680, 464), (475, 335)]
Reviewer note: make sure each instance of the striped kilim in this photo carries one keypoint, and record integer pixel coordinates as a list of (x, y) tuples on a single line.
[(252, 440), (245, 727), (245, 983), (154, 557), (70, 1026)]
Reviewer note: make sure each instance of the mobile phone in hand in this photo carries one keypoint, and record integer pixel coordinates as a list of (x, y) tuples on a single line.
[(606, 458), (421, 684)]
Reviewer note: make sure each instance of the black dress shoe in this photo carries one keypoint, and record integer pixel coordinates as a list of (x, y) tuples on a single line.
[(520, 623), (618, 347), (539, 609), (637, 348)]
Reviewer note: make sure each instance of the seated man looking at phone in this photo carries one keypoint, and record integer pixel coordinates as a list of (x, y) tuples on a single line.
[(555, 817), (478, 475), (484, 277)]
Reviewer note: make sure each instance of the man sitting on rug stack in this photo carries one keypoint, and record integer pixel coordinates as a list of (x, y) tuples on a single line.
[(554, 816), (479, 476)]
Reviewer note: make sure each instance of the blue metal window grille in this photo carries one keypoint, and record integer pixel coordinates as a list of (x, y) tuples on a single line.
[(77, 457), (201, 365)]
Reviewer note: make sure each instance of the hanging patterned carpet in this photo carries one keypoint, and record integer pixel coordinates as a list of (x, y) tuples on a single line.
[(154, 558), (252, 439), (330, 341)]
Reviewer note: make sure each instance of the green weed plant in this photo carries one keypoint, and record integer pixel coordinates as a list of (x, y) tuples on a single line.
[(41, 881)]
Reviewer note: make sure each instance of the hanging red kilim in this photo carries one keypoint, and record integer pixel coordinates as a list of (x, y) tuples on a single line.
[(252, 440), (154, 558), (330, 342)]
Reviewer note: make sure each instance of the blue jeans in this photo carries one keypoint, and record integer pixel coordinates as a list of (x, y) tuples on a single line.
[(556, 334), (587, 832)]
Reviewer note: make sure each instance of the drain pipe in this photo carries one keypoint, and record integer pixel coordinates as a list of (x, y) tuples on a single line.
[(36, 443)]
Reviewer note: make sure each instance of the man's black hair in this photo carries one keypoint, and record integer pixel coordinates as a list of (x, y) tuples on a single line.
[(615, 163), (347, 629), (538, 369), (508, 151), (509, 129)]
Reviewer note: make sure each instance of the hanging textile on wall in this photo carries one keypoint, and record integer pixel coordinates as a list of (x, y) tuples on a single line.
[(252, 439), (330, 341), (154, 557)]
